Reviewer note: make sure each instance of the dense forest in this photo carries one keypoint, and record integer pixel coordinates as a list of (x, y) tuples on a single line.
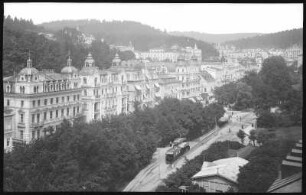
[(104, 155), (214, 38), (283, 39), (143, 37), (21, 36)]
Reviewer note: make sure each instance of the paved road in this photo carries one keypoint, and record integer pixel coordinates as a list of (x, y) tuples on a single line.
[(151, 176)]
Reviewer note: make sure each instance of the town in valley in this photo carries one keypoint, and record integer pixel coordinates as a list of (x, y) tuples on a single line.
[(95, 105)]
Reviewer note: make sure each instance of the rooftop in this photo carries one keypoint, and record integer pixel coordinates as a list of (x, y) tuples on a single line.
[(227, 168), (279, 183)]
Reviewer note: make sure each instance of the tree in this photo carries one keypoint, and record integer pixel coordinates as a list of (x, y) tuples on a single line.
[(266, 120), (275, 73), (244, 96), (226, 94), (241, 135), (252, 136), (257, 175), (264, 137)]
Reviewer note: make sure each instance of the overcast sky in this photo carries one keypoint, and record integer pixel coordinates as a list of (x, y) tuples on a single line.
[(210, 18)]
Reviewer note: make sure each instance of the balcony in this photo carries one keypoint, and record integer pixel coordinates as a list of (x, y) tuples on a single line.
[(21, 124), (37, 124), (111, 95)]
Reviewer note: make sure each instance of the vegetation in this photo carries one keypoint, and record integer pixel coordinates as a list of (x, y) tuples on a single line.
[(103, 155), (214, 38), (21, 36), (262, 169), (217, 150), (143, 37), (282, 40), (272, 87), (241, 135)]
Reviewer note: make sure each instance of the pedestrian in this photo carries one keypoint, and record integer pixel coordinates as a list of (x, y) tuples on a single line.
[(170, 143), (242, 126)]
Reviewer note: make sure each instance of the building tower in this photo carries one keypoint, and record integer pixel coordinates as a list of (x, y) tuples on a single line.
[(69, 69), (89, 61), (116, 60)]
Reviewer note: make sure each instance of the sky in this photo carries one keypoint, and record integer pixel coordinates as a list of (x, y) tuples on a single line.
[(200, 17)]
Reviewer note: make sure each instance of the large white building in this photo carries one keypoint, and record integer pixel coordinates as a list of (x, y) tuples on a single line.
[(36, 100), (171, 55)]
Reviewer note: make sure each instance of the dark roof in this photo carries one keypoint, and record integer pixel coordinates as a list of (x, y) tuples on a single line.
[(279, 183), (89, 70)]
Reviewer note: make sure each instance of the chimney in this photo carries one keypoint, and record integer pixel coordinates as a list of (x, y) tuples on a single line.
[(279, 172)]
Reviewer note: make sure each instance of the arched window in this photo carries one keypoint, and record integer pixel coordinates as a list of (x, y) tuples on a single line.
[(85, 80), (7, 88), (34, 89)]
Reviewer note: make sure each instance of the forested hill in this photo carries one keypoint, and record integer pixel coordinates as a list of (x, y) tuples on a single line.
[(21, 36), (142, 36), (283, 39), (214, 38)]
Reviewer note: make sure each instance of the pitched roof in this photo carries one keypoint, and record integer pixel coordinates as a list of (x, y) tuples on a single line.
[(279, 183), (227, 168)]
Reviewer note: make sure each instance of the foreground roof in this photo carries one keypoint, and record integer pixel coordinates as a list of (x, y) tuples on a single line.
[(227, 168), (279, 183)]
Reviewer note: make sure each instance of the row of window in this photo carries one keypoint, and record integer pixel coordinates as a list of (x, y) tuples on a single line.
[(57, 87), (75, 97), (104, 79), (76, 110)]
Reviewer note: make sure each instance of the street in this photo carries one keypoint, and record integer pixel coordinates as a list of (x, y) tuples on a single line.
[(151, 176)]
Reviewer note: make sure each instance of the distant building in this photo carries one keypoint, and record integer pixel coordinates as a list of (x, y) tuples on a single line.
[(220, 175), (122, 48), (293, 52), (171, 55)]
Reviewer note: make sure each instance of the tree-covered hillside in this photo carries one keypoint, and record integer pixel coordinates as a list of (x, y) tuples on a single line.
[(214, 38), (142, 36), (282, 40), (21, 36)]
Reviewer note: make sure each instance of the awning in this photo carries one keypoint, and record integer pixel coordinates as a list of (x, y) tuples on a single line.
[(138, 87), (156, 85)]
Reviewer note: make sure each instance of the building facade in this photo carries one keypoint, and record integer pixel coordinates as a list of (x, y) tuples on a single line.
[(41, 99), (36, 100), (171, 55)]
